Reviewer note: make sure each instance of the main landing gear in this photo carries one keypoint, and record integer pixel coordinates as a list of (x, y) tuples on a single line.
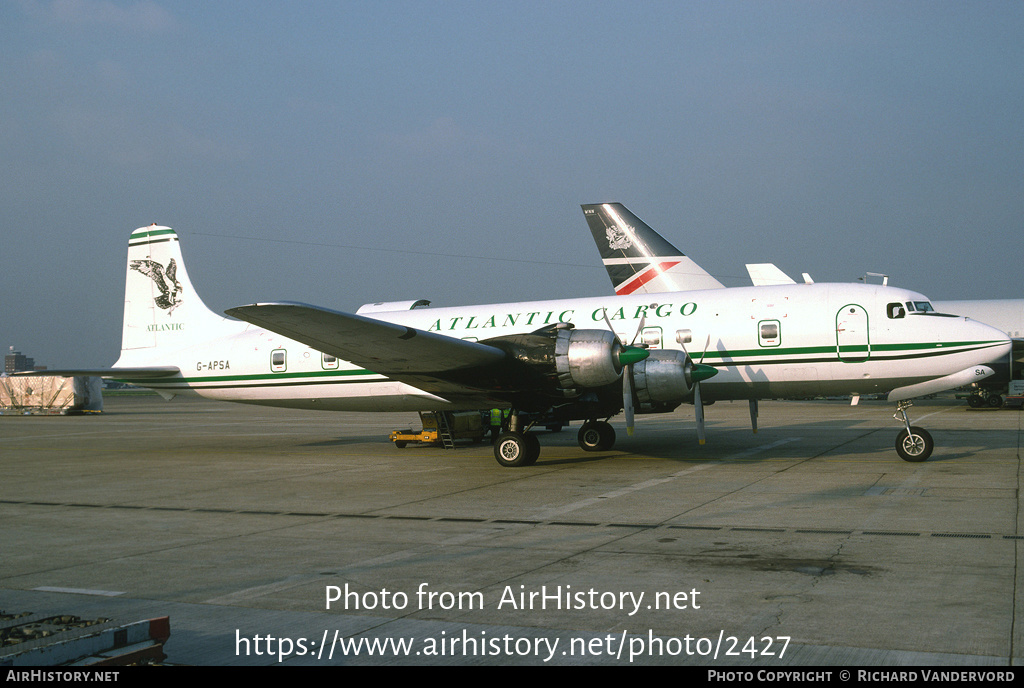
[(982, 399), (596, 435), (913, 443), (517, 446), (513, 448)]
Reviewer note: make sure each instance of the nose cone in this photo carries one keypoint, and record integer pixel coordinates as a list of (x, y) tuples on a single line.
[(995, 343)]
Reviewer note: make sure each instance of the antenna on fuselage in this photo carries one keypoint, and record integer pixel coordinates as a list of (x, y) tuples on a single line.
[(864, 279)]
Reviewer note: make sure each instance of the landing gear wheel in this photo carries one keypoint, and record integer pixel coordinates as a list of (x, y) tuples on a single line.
[(975, 401), (995, 401), (596, 436), (915, 445), (514, 449), (533, 443)]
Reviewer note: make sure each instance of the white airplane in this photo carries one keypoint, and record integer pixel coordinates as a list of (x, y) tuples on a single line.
[(542, 359), (639, 260), (1004, 314)]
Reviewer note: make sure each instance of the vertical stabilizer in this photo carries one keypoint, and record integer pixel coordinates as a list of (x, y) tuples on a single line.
[(638, 259), (161, 309)]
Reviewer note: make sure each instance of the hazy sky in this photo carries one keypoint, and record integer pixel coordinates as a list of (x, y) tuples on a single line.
[(339, 153)]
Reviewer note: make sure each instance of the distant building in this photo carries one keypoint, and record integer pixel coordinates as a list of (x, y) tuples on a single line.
[(15, 362)]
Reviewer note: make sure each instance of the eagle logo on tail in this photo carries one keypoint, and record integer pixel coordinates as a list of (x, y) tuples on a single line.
[(165, 280)]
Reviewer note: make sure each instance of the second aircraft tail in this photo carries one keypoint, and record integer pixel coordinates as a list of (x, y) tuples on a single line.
[(638, 259)]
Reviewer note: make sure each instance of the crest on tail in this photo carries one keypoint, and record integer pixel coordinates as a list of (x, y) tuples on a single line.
[(618, 239)]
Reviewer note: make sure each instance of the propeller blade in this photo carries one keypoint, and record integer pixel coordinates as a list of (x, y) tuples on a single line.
[(627, 398), (698, 407), (698, 371), (608, 322), (628, 355), (640, 328)]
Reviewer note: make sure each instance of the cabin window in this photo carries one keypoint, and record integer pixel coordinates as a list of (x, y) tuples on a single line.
[(768, 333), (329, 362), (895, 311), (278, 361), (651, 336)]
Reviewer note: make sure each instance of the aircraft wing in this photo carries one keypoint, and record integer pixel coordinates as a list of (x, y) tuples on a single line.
[(383, 347)]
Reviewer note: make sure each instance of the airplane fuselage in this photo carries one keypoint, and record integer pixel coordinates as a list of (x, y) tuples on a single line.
[(766, 342)]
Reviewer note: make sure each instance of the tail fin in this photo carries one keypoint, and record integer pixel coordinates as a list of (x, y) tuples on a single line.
[(161, 309), (638, 259)]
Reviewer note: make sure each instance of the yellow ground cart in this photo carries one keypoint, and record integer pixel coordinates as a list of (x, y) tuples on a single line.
[(444, 427)]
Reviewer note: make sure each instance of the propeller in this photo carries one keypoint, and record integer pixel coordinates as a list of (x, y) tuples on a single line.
[(630, 354), (698, 372)]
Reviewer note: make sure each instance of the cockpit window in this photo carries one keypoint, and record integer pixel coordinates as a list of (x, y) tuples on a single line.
[(895, 311), (920, 307)]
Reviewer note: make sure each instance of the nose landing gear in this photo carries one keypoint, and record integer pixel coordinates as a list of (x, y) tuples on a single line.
[(912, 443)]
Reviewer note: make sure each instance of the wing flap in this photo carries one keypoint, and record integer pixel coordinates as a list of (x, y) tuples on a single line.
[(383, 347)]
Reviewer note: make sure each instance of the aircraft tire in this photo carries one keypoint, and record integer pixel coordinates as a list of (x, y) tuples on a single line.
[(596, 436), (995, 401), (974, 401), (533, 442), (914, 446), (514, 449)]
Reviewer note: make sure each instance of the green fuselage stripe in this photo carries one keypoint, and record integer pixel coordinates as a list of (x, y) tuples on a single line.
[(789, 356)]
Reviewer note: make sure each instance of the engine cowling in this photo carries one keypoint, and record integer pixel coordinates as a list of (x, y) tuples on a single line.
[(570, 360), (666, 378), (587, 358), (663, 378)]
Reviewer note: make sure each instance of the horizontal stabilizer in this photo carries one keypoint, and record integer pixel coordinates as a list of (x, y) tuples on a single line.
[(376, 345)]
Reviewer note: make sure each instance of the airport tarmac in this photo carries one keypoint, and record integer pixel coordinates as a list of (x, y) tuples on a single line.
[(808, 543)]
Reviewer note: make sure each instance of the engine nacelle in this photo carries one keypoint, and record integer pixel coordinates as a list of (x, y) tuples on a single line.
[(563, 361), (663, 378), (587, 358)]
